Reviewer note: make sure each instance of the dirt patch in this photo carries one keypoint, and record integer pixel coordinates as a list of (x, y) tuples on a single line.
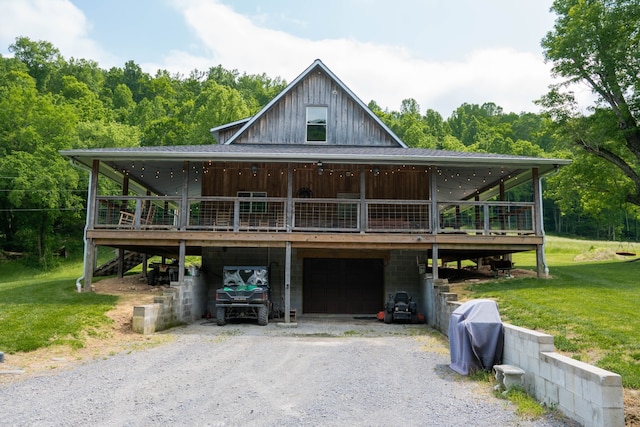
[(631, 407), (111, 339), (460, 280), (132, 290)]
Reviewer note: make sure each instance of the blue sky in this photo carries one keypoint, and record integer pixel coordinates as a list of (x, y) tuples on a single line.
[(441, 53)]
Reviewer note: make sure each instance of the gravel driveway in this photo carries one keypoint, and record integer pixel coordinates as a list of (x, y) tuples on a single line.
[(326, 372)]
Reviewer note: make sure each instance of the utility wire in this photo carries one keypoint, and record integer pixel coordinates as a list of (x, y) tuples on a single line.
[(41, 210)]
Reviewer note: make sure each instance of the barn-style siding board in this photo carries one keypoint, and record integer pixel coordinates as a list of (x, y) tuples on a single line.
[(225, 180), (347, 122), (393, 183), (225, 134)]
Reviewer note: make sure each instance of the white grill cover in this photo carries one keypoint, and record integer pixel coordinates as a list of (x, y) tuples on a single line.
[(476, 336)]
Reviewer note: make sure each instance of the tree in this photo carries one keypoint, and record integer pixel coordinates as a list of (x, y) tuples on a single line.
[(41, 58), (37, 185), (595, 42)]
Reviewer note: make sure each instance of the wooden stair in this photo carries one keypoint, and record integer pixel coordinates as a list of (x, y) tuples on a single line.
[(110, 268)]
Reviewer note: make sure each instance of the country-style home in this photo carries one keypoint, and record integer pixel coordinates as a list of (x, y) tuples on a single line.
[(316, 187)]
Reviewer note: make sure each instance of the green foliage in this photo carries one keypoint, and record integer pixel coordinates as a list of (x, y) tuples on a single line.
[(595, 43)]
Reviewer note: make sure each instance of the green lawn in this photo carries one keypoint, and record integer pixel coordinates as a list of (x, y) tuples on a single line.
[(39, 310), (590, 307)]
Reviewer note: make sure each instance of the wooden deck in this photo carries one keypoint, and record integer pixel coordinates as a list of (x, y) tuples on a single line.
[(460, 229)]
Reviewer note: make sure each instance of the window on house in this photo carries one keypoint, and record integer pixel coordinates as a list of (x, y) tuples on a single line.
[(252, 206), (316, 124)]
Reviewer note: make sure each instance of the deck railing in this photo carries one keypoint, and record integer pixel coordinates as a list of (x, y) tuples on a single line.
[(269, 214), (486, 217), (127, 212)]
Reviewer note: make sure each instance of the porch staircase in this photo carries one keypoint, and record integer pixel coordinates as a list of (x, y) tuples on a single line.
[(110, 268)]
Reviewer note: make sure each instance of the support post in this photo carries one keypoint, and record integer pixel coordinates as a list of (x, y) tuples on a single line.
[(434, 261), (181, 261), (363, 204), (89, 247), (289, 217), (89, 264), (184, 203), (433, 186), (120, 273), (542, 269), (287, 283)]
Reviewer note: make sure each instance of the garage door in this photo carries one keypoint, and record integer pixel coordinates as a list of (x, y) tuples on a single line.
[(343, 286)]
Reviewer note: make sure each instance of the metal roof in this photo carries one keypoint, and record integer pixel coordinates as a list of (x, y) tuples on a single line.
[(309, 153)]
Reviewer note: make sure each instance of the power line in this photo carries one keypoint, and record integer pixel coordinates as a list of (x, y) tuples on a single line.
[(42, 210), (41, 191)]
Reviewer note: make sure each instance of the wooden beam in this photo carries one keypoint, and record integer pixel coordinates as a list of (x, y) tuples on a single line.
[(152, 238), (341, 253), (287, 283)]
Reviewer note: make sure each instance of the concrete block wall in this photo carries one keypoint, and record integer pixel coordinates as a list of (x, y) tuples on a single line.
[(585, 393), (145, 318), (446, 303), (180, 303), (191, 298), (150, 318), (402, 274)]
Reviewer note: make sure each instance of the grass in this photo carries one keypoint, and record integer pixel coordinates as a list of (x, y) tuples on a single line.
[(43, 309), (590, 307), (526, 406)]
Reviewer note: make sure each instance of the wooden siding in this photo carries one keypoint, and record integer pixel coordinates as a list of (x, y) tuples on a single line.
[(226, 179), (347, 122), (398, 183), (225, 134)]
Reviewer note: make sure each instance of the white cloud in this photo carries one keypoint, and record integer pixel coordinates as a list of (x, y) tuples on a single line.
[(56, 21), (384, 73)]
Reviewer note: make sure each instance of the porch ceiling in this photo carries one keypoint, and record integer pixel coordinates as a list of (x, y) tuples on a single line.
[(459, 175)]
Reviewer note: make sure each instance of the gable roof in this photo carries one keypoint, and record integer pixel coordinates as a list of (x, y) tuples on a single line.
[(317, 64)]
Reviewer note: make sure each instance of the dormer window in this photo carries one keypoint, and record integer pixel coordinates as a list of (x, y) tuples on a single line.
[(316, 124)]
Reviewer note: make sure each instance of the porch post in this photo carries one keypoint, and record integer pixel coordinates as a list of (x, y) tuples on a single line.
[(363, 204), (433, 190), (123, 207), (542, 269), (287, 283), (289, 212), (435, 219), (184, 208), (89, 247)]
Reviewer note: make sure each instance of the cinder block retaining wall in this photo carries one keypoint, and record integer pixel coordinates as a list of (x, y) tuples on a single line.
[(180, 303), (585, 393)]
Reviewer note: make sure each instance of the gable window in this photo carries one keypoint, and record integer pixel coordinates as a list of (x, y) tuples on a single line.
[(316, 124)]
